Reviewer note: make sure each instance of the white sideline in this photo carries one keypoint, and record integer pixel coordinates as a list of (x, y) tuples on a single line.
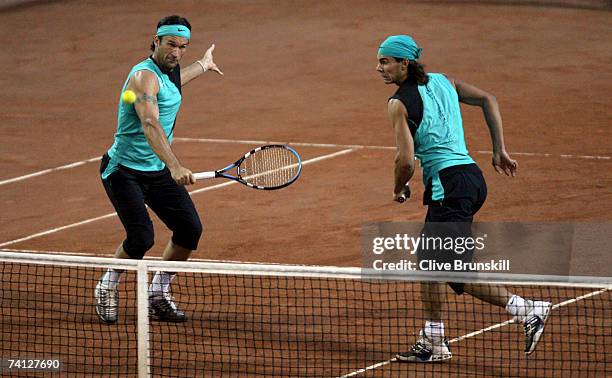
[(45, 171), (360, 146), (110, 215), (322, 145)]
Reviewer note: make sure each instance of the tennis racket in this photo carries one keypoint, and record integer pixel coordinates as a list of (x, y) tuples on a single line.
[(267, 167)]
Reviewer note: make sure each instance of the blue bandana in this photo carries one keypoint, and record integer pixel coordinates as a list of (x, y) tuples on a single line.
[(175, 30), (400, 46)]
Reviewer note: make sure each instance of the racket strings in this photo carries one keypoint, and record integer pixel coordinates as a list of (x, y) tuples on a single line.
[(270, 167)]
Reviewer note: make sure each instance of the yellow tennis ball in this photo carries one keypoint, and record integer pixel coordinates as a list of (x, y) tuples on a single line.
[(129, 97)]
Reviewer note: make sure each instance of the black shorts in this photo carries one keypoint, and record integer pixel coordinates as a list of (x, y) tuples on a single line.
[(129, 190), (465, 191)]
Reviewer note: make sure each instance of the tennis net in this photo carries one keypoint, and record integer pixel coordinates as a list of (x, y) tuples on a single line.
[(281, 321)]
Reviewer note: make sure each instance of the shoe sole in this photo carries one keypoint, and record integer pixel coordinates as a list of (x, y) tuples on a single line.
[(538, 335), (107, 321), (168, 320), (158, 319)]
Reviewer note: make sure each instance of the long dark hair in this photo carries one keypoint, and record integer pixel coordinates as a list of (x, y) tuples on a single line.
[(171, 20), (416, 71)]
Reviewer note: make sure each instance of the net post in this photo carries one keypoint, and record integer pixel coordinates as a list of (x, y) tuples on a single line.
[(143, 319)]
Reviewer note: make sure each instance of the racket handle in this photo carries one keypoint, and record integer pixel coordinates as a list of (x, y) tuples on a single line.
[(205, 175), (402, 198)]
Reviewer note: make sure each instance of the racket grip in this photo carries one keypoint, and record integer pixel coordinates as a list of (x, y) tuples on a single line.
[(204, 175)]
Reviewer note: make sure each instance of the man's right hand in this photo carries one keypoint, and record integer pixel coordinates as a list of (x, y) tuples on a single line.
[(182, 175), (403, 195)]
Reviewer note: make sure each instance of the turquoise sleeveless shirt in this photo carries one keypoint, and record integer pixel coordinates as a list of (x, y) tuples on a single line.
[(439, 142), (131, 148)]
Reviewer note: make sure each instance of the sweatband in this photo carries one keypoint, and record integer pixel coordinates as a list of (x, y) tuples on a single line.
[(175, 30)]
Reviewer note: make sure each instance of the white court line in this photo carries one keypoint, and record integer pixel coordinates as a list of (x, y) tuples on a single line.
[(45, 171), (324, 145), (360, 146), (54, 230), (472, 334), (260, 142), (110, 215)]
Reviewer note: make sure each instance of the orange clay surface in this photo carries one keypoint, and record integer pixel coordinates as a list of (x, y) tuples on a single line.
[(300, 72)]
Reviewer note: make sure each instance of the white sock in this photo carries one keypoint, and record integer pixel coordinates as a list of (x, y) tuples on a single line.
[(517, 306), (111, 278), (161, 283), (434, 330)]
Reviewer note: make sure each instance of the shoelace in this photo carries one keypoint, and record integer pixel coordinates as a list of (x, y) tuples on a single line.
[(420, 347), (522, 319), (531, 325), (109, 301), (170, 300)]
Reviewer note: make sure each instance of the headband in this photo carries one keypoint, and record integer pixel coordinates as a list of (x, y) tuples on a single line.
[(176, 30)]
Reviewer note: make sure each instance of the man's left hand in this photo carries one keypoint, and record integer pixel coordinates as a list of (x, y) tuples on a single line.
[(207, 61), (502, 162)]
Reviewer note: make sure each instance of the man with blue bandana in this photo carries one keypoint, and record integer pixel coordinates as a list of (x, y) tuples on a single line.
[(140, 169), (427, 121)]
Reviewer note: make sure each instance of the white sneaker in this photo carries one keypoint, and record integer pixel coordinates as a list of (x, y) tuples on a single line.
[(534, 322), (425, 350), (107, 301)]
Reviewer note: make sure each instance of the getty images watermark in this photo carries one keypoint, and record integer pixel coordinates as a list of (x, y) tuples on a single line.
[(438, 253), (560, 251)]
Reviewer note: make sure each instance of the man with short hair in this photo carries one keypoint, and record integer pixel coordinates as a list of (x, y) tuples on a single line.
[(427, 121), (141, 169)]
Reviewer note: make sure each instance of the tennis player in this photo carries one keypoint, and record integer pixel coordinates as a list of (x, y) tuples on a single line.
[(427, 121), (141, 169)]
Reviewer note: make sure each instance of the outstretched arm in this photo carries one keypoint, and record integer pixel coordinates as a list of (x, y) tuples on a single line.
[(198, 67), (472, 95), (404, 159), (145, 85)]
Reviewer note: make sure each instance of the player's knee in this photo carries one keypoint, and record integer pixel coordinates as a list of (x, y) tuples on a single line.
[(138, 243), (188, 234)]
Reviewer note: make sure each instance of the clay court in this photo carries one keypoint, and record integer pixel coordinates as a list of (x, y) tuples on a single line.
[(302, 73)]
